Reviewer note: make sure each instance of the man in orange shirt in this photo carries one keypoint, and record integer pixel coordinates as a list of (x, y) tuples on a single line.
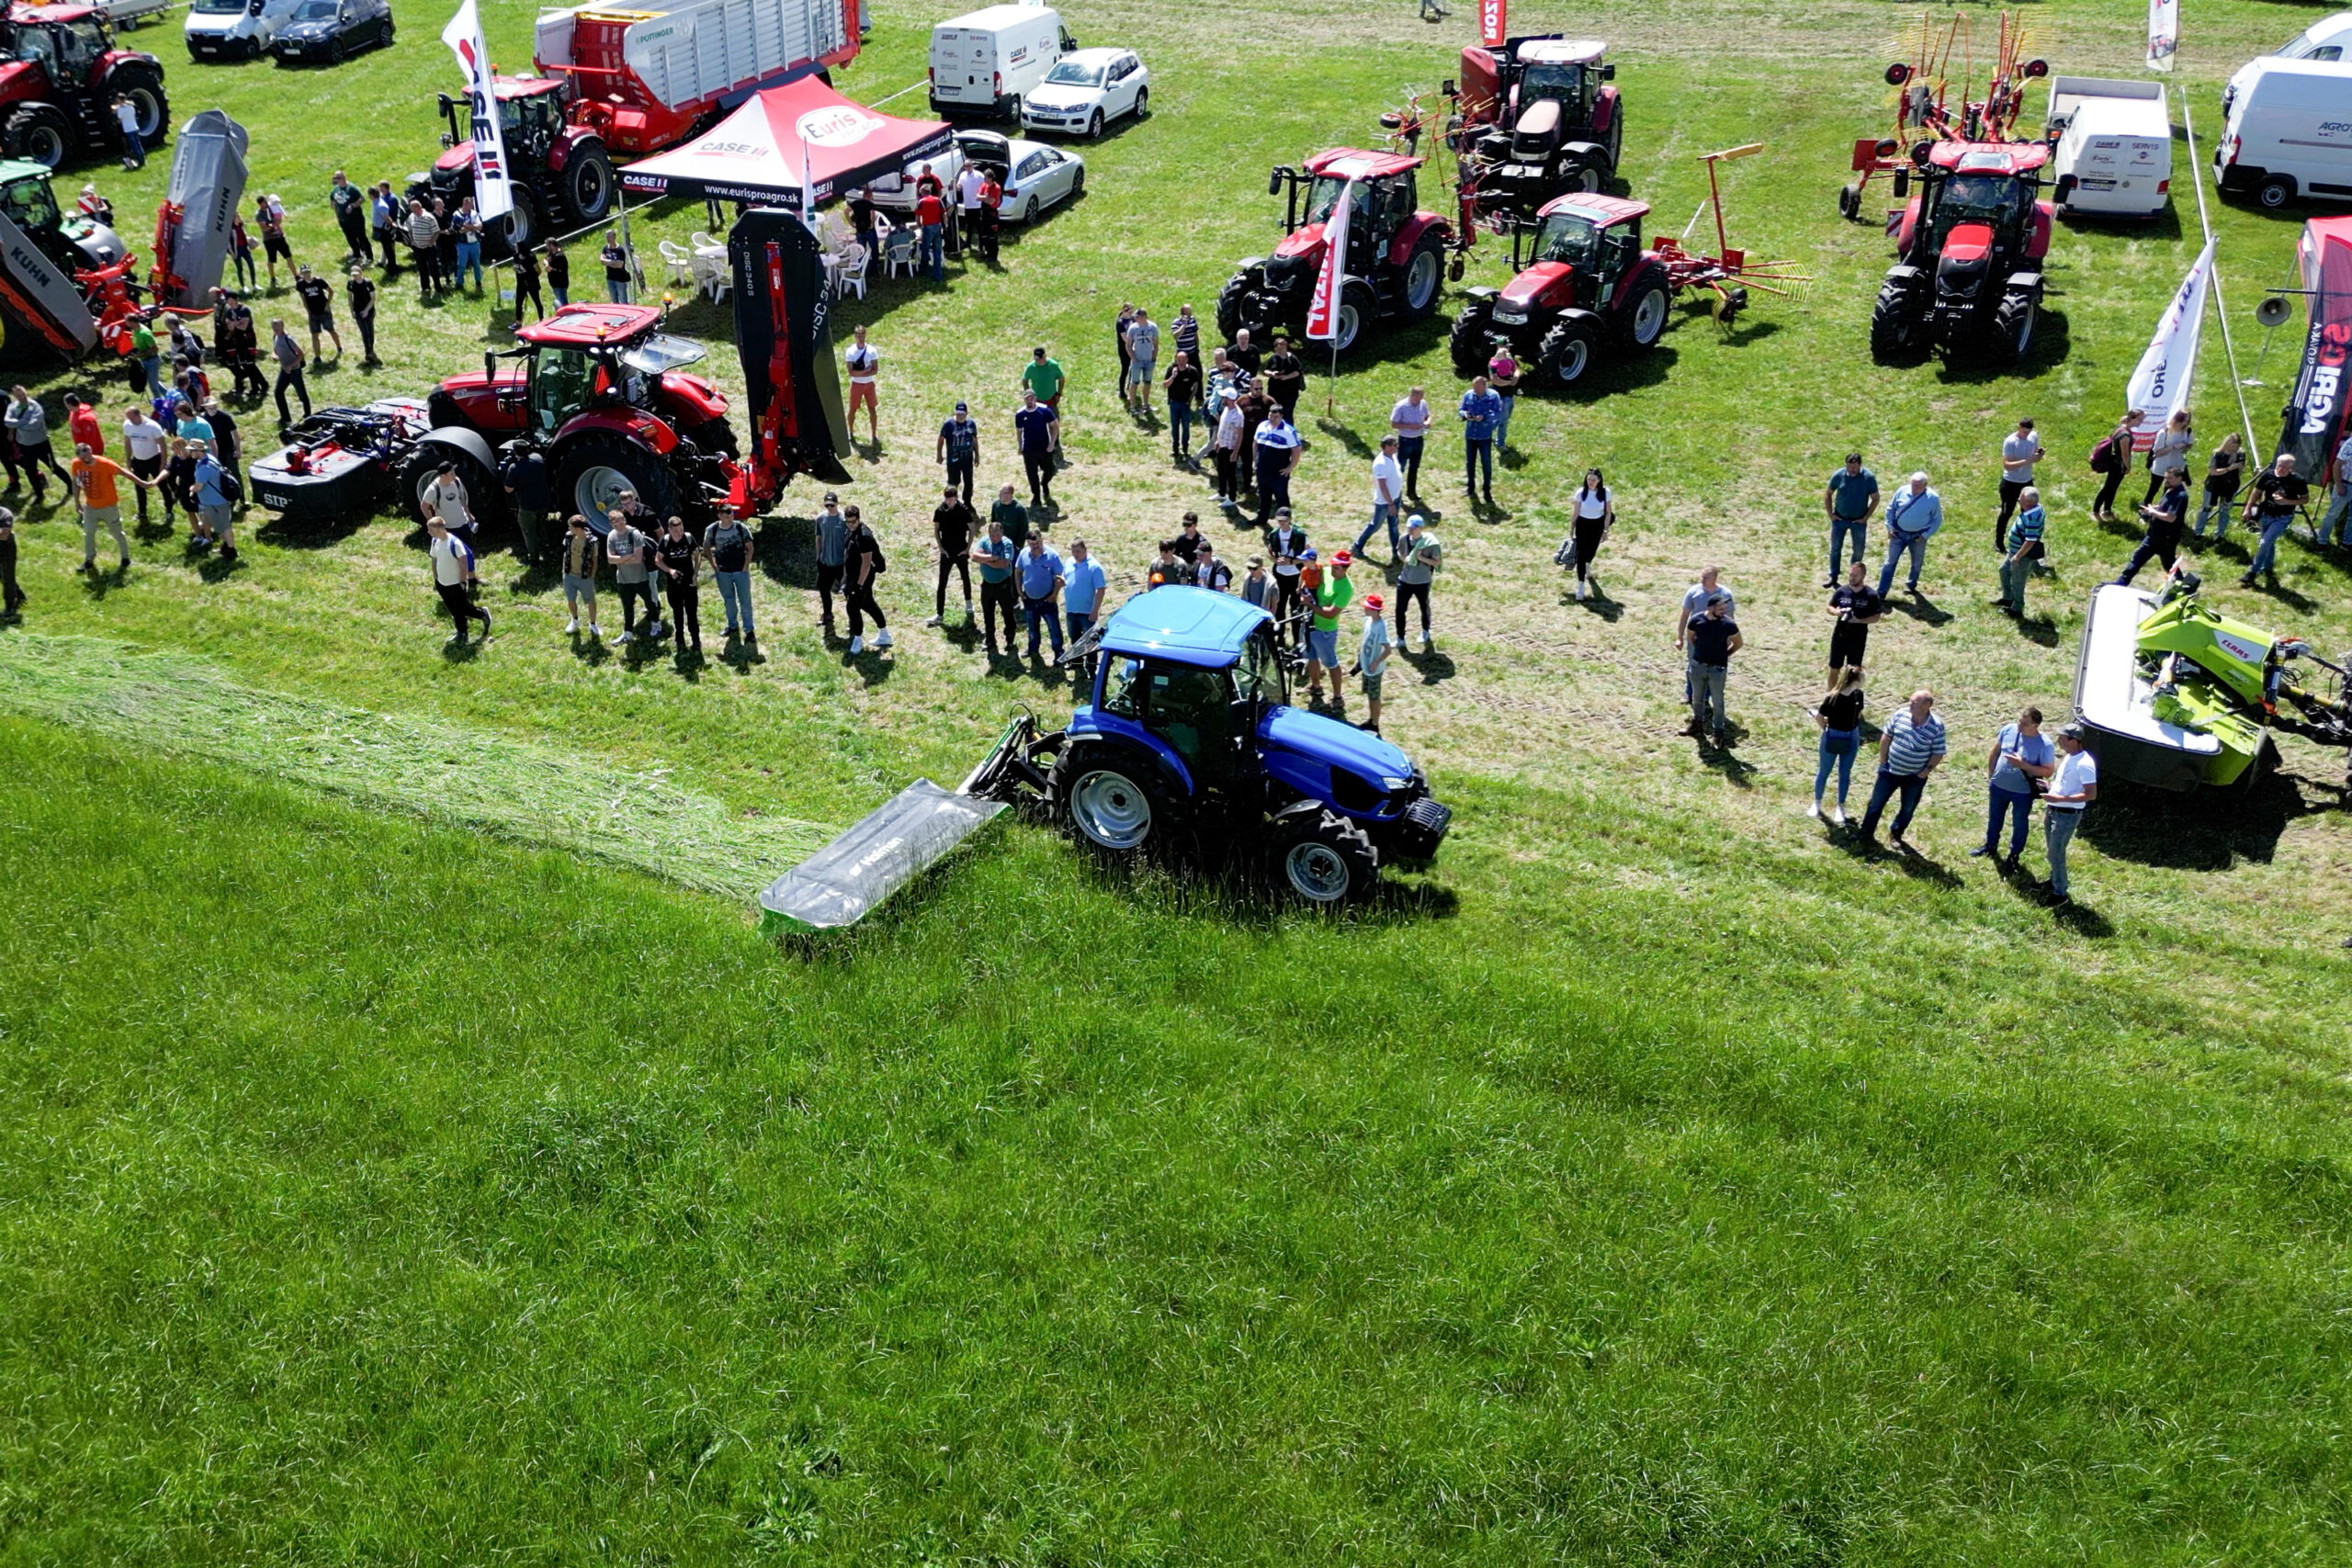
[(100, 501)]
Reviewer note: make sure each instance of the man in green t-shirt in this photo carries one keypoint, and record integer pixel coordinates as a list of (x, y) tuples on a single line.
[(1044, 377), (1333, 594), (150, 357)]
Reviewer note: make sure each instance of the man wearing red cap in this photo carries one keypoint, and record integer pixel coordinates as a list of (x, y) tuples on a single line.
[(1332, 595), (1371, 658)]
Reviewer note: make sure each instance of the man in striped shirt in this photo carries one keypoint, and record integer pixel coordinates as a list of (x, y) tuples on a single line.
[(1911, 747)]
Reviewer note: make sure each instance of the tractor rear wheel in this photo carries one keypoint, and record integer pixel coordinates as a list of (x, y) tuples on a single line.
[(1112, 800), (1228, 305), (1468, 343), (38, 134), (521, 221), (588, 182), (144, 87), (1893, 323), (1322, 858), (1567, 354), (422, 466), (1643, 322), (593, 468), (2013, 328), (1616, 135), (1424, 277)]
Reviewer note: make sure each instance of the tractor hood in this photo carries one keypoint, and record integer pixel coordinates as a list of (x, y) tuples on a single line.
[(1969, 243), (473, 383), (21, 80), (1304, 240), (460, 156), (1334, 744), (1545, 283)]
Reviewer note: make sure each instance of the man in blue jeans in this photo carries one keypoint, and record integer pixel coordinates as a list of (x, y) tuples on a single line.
[(1041, 587), (2021, 755), (1909, 748), (2278, 493), (729, 544), (1480, 411), (1912, 519), (1388, 496), (1851, 500), (2338, 515), (1081, 590)]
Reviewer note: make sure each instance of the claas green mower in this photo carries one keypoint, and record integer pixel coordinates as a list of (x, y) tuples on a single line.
[(2176, 695)]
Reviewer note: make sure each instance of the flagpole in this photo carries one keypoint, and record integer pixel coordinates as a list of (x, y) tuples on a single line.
[(2205, 221)]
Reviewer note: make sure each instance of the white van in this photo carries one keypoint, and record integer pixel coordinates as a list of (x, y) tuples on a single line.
[(235, 30), (986, 63), (2322, 43), (2113, 153), (2289, 132)]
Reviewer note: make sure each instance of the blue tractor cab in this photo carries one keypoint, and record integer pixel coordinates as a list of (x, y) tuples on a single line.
[(1185, 735)]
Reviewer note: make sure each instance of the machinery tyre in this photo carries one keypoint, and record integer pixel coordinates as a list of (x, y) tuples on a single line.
[(1359, 309), (1113, 801), (1228, 305), (523, 223), (1322, 859), (2249, 782), (1891, 323), (718, 435), (1849, 200), (592, 467), (1567, 354), (588, 183), (1424, 280), (38, 134), (2275, 192), (1616, 136), (1643, 322), (2013, 328), (1586, 177), (144, 87), (1467, 343), (423, 464), (387, 38)]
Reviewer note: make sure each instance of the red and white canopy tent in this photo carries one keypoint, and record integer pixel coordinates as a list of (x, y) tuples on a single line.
[(757, 153)]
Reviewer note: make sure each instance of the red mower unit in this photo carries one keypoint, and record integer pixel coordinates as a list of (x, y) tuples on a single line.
[(1535, 119), (1969, 247), (1396, 261), (1585, 287), (1926, 108), (58, 86)]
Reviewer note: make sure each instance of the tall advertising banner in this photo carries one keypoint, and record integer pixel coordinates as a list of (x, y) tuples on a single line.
[(2160, 385), (2163, 33), (1491, 22), (2316, 419), (494, 178), (1323, 308)]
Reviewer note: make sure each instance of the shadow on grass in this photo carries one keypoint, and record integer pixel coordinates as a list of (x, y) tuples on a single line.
[(2040, 630), (592, 651), (2052, 341), (1433, 667), (1598, 604), (2205, 829), (1919, 607), (1724, 758), (2298, 602), (786, 549)]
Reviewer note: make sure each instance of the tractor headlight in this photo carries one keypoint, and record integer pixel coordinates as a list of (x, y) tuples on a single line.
[(1510, 315)]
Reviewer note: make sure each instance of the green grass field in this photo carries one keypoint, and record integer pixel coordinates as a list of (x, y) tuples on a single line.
[(417, 1154)]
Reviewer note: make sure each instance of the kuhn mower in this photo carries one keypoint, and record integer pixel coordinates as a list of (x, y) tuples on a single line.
[(1182, 744), (1968, 247), (1396, 261), (1585, 285), (1537, 119), (604, 392), (1929, 110), (2176, 695)]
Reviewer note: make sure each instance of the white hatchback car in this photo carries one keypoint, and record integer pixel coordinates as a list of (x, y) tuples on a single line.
[(1086, 89), (1034, 175)]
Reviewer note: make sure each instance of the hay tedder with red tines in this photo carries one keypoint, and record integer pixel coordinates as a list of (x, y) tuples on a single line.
[(1931, 98)]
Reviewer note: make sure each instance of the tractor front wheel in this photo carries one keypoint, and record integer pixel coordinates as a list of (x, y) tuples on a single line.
[(38, 134), (1468, 343), (1112, 801), (1567, 354), (1323, 859), (1359, 309), (422, 466), (1586, 177), (593, 468), (1229, 301), (1893, 324), (588, 182), (2013, 328)]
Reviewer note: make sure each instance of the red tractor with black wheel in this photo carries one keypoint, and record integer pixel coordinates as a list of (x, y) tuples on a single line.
[(61, 78), (1396, 261), (1968, 248), (1583, 285), (563, 172), (1539, 119)]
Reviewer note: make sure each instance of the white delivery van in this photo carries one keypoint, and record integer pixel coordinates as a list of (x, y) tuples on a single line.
[(235, 30), (2322, 43), (987, 62), (2289, 132), (2111, 153)]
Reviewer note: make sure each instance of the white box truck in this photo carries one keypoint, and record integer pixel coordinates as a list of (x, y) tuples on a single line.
[(2289, 132), (2111, 153), (986, 63)]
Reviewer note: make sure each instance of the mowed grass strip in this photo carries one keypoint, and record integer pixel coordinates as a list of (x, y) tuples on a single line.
[(377, 1191)]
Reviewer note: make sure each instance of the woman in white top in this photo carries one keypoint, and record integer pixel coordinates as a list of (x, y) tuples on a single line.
[(862, 359), (1594, 513), (2170, 453)]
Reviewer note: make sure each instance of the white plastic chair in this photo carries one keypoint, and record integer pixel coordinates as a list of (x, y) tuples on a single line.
[(898, 251), (702, 240), (712, 271), (680, 262), (849, 271)]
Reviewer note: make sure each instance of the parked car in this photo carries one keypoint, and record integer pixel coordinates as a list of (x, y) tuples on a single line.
[(1085, 90), (235, 30), (328, 30), (1034, 175)]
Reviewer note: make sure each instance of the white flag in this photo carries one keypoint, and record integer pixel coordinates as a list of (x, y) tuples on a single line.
[(2160, 385), (494, 180), (2163, 33), (1323, 308)]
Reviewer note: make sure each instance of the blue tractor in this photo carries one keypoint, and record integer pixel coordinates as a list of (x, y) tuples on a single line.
[(1185, 740)]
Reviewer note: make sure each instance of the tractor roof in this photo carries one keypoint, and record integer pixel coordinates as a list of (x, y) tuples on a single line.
[(55, 13), (1354, 163), (1190, 625), (1988, 157), (589, 326), (525, 86), (1598, 210), (1561, 51)]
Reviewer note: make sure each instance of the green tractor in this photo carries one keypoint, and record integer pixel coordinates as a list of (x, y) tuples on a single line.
[(2176, 695)]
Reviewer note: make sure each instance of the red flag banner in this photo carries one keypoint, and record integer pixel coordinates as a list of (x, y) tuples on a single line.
[(1323, 309), (1491, 21)]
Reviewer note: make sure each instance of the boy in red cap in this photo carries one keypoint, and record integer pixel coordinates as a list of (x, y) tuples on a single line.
[(1371, 658)]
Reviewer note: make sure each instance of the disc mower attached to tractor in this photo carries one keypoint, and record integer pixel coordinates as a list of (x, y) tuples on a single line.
[(1396, 261), (1969, 247)]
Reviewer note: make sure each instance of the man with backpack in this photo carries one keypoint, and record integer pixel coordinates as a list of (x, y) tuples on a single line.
[(865, 564), (216, 489), (451, 561)]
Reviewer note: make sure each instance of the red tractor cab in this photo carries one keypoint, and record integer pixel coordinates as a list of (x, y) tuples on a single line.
[(1583, 284), (563, 174), (60, 74), (1969, 247), (604, 393), (1538, 118), (1396, 261)]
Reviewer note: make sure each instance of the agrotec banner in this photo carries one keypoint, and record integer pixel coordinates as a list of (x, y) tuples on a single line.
[(493, 177)]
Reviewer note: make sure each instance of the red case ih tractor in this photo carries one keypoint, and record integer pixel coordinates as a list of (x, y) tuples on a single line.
[(1539, 119), (1396, 262), (62, 76), (602, 390), (563, 175), (1584, 281), (1968, 247)]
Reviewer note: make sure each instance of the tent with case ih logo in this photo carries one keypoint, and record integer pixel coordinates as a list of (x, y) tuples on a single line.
[(755, 154), (2316, 419)]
